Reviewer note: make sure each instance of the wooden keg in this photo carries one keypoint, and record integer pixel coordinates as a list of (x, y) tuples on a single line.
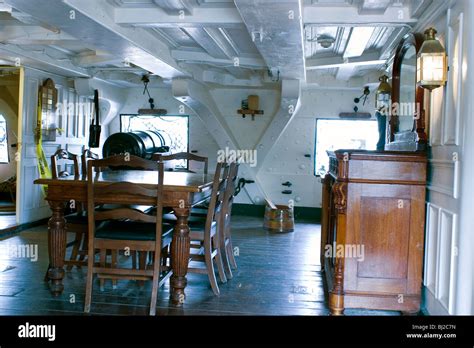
[(279, 220)]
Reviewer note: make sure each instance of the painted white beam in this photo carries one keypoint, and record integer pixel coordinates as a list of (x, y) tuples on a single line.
[(96, 60), (344, 73), (374, 6), (349, 16), (366, 59), (290, 103), (35, 59), (200, 57), (224, 79), (201, 17), (91, 22), (198, 99), (33, 35), (206, 41), (277, 30), (176, 5)]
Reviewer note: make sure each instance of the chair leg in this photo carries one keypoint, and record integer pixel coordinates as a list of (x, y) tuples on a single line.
[(75, 249), (114, 265), (103, 256), (224, 253), (230, 248), (90, 266), (83, 250), (210, 268), (156, 280), (133, 254), (46, 276), (218, 257), (142, 264)]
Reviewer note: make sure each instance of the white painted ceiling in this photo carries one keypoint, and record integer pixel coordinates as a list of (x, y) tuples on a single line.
[(215, 41)]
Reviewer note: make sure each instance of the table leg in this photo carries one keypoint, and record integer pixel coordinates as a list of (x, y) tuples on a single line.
[(180, 256), (56, 247)]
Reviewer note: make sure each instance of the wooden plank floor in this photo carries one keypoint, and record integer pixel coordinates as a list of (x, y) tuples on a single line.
[(279, 274)]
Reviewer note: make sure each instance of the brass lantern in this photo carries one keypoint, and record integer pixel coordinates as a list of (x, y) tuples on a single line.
[(383, 95), (432, 62)]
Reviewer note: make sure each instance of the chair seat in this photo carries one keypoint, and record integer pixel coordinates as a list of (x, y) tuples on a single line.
[(131, 230), (76, 218)]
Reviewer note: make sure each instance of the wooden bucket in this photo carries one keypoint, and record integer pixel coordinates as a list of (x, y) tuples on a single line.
[(279, 220)]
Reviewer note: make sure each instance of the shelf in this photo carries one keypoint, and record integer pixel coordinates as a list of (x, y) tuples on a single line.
[(245, 112)]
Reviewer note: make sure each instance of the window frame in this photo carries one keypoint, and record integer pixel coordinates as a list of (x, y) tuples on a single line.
[(371, 119), (170, 115)]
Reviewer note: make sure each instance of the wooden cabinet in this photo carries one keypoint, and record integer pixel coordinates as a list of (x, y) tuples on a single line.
[(373, 230)]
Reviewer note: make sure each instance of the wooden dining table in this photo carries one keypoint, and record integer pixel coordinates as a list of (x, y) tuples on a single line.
[(181, 191)]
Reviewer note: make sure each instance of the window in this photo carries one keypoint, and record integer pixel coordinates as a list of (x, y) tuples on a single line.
[(4, 158), (174, 129), (337, 134)]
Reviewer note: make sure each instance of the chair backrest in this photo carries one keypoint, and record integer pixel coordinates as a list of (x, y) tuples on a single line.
[(217, 196), (180, 156), (87, 155), (108, 193), (230, 188), (64, 156)]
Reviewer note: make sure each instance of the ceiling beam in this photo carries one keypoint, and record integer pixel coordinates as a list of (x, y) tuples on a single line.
[(255, 62), (337, 62), (277, 31), (374, 7), (349, 16), (92, 24), (36, 59), (158, 18), (33, 35)]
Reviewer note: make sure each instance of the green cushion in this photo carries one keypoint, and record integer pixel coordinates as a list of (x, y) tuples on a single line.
[(192, 219), (131, 230), (77, 218)]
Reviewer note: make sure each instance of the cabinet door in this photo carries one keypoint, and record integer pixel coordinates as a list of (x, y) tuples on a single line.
[(385, 237)]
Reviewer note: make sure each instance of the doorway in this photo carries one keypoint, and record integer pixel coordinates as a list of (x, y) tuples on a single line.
[(9, 115)]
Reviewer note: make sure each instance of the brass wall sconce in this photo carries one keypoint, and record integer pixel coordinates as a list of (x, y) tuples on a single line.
[(432, 62), (383, 95)]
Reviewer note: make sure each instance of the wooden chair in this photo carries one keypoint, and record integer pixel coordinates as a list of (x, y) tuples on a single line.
[(87, 155), (125, 227), (225, 238), (79, 249), (182, 156), (205, 232)]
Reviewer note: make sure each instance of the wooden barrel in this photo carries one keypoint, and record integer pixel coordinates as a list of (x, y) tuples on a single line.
[(279, 220)]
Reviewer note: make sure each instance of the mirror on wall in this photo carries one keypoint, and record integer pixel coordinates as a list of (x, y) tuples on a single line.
[(406, 124), (406, 113)]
